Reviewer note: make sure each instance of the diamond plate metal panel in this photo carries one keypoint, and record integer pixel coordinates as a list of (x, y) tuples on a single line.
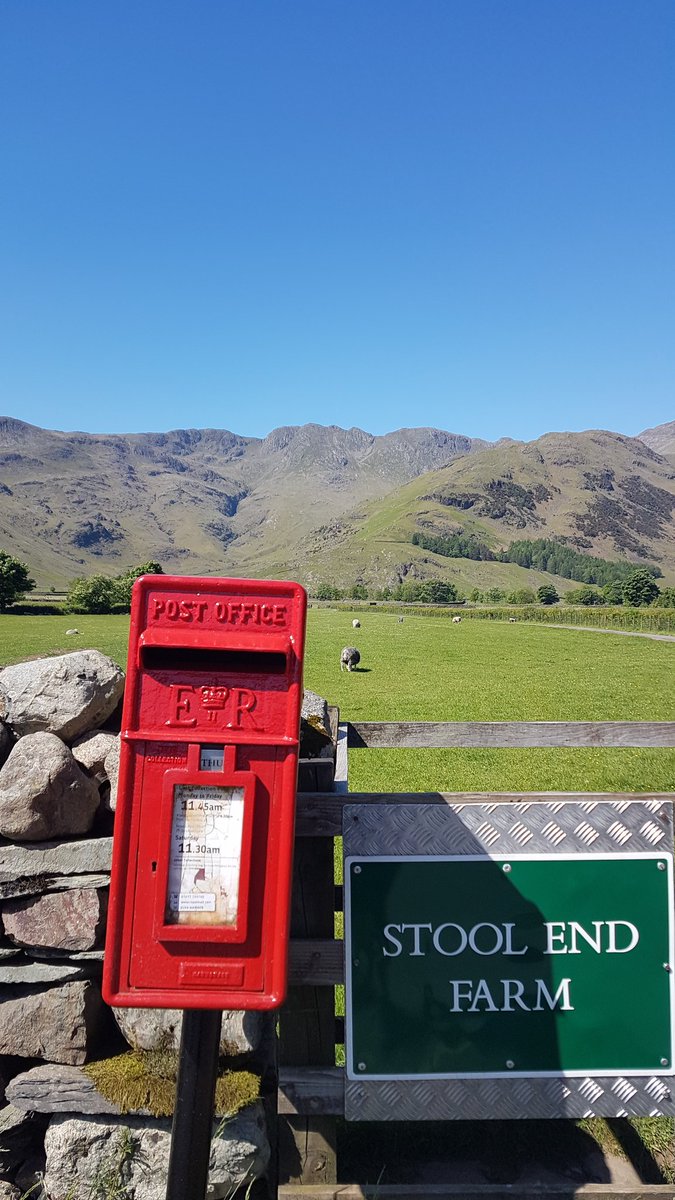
[(507, 1099), (632, 826), (562, 827)]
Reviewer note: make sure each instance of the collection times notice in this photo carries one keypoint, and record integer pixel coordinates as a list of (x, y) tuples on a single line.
[(205, 855)]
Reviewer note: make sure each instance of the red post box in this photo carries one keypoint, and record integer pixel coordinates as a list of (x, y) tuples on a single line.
[(203, 845)]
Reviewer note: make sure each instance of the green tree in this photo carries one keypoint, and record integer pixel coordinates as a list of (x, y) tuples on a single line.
[(326, 591), (495, 595), (359, 591), (584, 595), (666, 598), (411, 591), (521, 596), (125, 582), (457, 545), (613, 592), (475, 595), (546, 594), (147, 568), (14, 580), (435, 591), (546, 554), (97, 594), (639, 588)]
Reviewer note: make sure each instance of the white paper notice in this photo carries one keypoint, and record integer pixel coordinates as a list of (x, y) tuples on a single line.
[(205, 855)]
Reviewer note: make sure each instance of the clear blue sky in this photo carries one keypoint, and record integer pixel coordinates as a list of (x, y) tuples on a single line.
[(249, 213)]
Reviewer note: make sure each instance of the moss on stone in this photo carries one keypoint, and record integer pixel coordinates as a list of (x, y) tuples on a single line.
[(145, 1081)]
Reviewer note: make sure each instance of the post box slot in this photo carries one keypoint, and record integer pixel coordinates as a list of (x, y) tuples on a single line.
[(228, 662)]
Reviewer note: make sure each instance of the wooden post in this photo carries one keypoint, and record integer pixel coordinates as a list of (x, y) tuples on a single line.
[(193, 1115), (306, 1145)]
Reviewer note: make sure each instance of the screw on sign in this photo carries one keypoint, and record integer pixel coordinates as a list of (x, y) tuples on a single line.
[(202, 853)]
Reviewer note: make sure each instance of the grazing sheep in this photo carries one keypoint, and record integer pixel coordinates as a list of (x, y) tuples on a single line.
[(356, 624), (349, 658), (512, 620), (456, 620), (400, 620)]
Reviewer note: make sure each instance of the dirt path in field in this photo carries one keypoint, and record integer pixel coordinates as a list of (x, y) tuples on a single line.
[(656, 637)]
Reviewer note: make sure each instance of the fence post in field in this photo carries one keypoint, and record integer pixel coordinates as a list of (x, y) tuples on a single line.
[(307, 1028)]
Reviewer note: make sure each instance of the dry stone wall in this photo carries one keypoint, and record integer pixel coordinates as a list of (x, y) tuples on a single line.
[(59, 757)]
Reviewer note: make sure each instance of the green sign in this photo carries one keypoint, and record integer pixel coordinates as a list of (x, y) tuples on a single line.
[(540, 964)]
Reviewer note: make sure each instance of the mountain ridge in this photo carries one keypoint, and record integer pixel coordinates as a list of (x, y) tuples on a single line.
[(318, 500)]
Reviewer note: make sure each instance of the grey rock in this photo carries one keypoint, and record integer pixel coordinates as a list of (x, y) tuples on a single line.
[(21, 1136), (152, 1028), (316, 739), (11, 1119), (94, 957), (91, 749), (79, 860), (19, 974), (77, 1150), (8, 952), (8, 1191), (66, 695), (30, 1176), (70, 920), (99, 752), (86, 857), (52, 1089), (60, 1024), (43, 792), (35, 885)]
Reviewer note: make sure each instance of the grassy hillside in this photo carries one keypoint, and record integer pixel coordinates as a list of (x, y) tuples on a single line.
[(604, 494)]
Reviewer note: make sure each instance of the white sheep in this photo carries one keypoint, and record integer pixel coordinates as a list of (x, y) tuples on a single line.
[(356, 624), (349, 658), (456, 620)]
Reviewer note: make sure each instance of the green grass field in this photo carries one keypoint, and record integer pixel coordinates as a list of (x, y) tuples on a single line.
[(426, 669)]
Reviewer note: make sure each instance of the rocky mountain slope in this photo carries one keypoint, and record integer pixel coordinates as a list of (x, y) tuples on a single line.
[(602, 493), (196, 500), (324, 503), (661, 438)]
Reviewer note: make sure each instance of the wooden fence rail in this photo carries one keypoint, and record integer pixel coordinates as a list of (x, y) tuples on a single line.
[(389, 735), (310, 1085)]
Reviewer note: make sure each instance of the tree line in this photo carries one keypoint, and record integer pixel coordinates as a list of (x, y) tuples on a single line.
[(94, 594), (107, 593), (110, 594), (540, 554), (414, 591), (637, 589)]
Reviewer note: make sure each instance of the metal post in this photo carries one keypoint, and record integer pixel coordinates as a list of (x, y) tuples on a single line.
[(193, 1114)]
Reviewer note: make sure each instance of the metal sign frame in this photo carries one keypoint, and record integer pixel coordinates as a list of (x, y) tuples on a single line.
[(564, 829)]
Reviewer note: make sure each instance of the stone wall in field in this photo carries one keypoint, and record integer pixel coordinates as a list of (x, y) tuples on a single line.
[(59, 755)]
